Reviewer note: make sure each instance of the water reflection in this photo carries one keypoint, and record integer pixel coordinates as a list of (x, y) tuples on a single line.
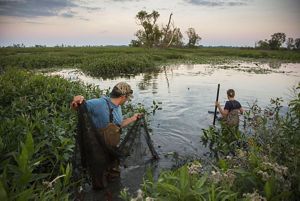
[(275, 64), (148, 81), (167, 79)]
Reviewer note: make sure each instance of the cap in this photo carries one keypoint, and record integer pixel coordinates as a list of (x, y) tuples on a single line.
[(122, 88)]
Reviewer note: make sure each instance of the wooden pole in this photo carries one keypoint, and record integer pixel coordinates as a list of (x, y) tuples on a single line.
[(217, 99)]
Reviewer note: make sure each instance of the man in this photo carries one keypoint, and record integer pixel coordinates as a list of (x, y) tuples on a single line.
[(99, 108), (106, 115), (231, 109)]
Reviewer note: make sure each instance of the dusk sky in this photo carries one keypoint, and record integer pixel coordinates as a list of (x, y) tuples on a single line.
[(112, 22)]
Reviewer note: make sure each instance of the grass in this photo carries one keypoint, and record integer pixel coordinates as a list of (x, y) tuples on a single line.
[(107, 61)]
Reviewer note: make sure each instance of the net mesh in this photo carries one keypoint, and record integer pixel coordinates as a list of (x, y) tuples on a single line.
[(95, 157)]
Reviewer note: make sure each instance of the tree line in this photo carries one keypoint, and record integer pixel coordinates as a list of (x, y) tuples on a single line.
[(151, 35), (276, 42)]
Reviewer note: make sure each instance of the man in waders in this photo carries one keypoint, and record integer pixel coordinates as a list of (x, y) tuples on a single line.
[(106, 115), (231, 110)]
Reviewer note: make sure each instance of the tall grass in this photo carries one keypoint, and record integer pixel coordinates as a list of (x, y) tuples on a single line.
[(103, 61)]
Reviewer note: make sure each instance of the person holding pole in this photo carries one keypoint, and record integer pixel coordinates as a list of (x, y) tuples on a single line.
[(231, 110)]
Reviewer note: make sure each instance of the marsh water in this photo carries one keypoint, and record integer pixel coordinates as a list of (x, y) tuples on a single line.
[(184, 95)]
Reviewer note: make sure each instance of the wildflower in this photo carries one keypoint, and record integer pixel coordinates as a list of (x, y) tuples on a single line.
[(241, 153), (194, 168), (216, 177), (229, 177), (265, 175), (254, 196), (139, 196)]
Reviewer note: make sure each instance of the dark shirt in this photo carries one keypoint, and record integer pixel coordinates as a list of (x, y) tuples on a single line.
[(231, 105)]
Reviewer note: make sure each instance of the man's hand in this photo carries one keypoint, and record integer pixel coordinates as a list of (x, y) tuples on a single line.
[(137, 116), (77, 100)]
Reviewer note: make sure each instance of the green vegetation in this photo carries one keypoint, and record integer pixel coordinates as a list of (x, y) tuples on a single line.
[(37, 131), (37, 135), (109, 61), (261, 163)]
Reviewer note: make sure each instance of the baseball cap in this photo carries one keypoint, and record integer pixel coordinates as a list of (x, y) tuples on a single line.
[(122, 88)]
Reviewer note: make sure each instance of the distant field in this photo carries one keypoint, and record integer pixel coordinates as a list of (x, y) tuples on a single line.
[(99, 61)]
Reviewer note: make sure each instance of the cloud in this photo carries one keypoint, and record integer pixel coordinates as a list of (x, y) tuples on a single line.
[(218, 3), (34, 8), (92, 9), (43, 8), (68, 14), (125, 0)]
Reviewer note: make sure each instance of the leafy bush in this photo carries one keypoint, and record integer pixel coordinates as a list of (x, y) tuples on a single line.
[(37, 131), (266, 156)]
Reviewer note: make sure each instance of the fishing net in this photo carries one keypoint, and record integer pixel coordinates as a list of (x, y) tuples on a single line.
[(96, 156)]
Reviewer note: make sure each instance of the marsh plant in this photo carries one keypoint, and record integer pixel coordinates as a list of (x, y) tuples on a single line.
[(265, 156), (37, 135), (116, 61)]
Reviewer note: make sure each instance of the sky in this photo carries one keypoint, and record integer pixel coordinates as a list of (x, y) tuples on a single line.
[(112, 22)]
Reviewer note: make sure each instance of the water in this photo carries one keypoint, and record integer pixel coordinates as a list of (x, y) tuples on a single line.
[(187, 93)]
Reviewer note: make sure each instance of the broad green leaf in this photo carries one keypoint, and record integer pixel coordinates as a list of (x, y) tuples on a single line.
[(201, 182), (25, 195), (268, 189), (3, 194), (29, 145), (22, 159), (184, 178), (168, 188)]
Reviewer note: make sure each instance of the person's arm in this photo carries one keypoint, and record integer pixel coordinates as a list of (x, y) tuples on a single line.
[(129, 120), (77, 100), (224, 112), (241, 110)]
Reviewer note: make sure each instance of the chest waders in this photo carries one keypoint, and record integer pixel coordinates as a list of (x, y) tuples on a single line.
[(98, 154), (111, 132), (102, 159)]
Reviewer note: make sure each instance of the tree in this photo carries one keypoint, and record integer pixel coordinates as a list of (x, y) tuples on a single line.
[(297, 43), (150, 35), (167, 36), (277, 39), (171, 35), (177, 38), (194, 38), (135, 43), (263, 44), (290, 43)]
